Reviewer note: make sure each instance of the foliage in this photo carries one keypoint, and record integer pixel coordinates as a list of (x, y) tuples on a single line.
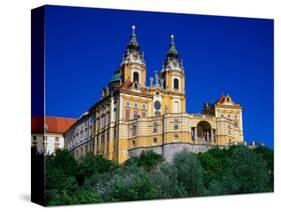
[(131, 184), (166, 183), (92, 165), (93, 179), (249, 170), (189, 172), (235, 171), (268, 156), (147, 159)]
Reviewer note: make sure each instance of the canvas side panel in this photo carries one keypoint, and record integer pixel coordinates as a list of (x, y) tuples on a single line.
[(37, 101)]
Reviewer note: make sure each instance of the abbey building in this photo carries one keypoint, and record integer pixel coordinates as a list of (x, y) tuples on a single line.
[(135, 115)]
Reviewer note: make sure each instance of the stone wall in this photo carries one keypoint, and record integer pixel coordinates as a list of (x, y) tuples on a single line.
[(168, 150)]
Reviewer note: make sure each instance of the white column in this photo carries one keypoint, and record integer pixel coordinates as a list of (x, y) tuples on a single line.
[(195, 133)]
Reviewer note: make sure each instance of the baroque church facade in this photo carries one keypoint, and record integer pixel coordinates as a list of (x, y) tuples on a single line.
[(132, 116)]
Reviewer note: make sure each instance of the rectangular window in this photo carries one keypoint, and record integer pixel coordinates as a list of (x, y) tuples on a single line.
[(57, 139), (114, 134), (136, 115), (143, 114), (127, 114), (34, 138), (176, 124), (56, 146), (155, 127), (108, 118), (134, 130)]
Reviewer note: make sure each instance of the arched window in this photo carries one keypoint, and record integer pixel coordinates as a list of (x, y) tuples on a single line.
[(127, 104), (176, 84), (136, 77)]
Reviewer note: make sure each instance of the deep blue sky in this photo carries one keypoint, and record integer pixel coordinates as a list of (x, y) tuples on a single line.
[(221, 55)]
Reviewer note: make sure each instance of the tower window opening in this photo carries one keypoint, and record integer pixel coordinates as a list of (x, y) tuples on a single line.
[(136, 77), (176, 84)]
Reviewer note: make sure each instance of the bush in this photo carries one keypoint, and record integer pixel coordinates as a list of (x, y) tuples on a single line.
[(94, 179), (166, 182), (189, 172), (132, 184)]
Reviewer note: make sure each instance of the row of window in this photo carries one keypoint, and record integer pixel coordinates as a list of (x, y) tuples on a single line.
[(154, 140), (135, 105), (45, 138), (155, 127), (135, 114), (176, 81), (229, 116)]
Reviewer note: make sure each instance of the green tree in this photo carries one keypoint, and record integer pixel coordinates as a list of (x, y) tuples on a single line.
[(93, 164), (149, 160), (189, 172), (126, 185), (166, 182), (247, 171), (214, 163), (268, 155)]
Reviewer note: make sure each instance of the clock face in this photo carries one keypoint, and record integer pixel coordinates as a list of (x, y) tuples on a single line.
[(135, 56), (157, 105)]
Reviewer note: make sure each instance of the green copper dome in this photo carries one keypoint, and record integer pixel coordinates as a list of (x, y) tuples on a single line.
[(115, 77)]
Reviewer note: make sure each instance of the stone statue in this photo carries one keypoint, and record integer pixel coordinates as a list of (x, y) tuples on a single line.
[(162, 83), (151, 81), (156, 78)]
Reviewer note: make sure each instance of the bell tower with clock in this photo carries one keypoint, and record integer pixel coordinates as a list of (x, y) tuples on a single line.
[(133, 66), (173, 71), (173, 78)]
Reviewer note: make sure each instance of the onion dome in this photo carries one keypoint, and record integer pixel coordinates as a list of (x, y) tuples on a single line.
[(115, 80), (133, 44), (172, 53), (132, 53), (172, 61)]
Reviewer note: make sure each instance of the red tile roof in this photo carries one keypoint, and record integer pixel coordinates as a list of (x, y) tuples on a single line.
[(220, 100), (53, 124), (126, 85)]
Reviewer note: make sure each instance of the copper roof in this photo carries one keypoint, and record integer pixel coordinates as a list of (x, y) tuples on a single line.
[(51, 124)]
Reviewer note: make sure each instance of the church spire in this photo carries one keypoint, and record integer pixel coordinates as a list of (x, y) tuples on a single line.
[(133, 53), (172, 61), (172, 50), (133, 44)]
